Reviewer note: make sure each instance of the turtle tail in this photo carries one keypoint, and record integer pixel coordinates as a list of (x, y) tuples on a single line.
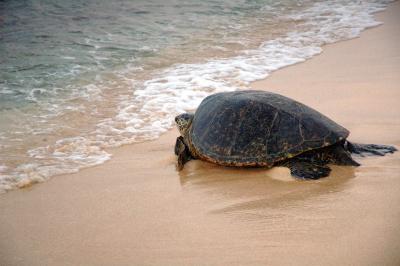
[(369, 149)]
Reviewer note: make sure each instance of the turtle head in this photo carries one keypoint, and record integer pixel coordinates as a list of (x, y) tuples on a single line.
[(183, 122)]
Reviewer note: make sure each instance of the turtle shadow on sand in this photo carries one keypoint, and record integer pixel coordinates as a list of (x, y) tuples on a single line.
[(244, 189)]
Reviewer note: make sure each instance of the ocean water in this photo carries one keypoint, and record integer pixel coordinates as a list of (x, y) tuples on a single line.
[(80, 76)]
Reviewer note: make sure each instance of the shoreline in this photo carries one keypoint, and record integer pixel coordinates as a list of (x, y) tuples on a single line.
[(148, 115), (136, 209)]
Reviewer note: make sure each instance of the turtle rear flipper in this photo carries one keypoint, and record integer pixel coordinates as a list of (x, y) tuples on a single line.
[(307, 170), (370, 149), (340, 156), (183, 153)]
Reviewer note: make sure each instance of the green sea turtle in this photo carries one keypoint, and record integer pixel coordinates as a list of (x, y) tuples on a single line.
[(264, 129)]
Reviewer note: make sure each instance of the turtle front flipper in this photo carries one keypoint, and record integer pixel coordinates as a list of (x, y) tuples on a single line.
[(183, 153), (370, 149), (307, 170)]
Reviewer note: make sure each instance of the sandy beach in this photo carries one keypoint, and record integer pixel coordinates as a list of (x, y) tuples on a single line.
[(137, 209)]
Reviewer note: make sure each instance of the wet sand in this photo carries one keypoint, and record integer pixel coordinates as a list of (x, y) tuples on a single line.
[(138, 210)]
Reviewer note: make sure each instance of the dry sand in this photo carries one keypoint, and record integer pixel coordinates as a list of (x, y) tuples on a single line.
[(138, 210)]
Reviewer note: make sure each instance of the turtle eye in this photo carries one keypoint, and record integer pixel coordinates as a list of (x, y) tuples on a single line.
[(178, 121)]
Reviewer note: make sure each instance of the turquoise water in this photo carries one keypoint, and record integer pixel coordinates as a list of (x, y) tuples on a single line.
[(77, 77)]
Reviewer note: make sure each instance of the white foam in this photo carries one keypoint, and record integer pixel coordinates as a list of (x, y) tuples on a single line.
[(66, 156)]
